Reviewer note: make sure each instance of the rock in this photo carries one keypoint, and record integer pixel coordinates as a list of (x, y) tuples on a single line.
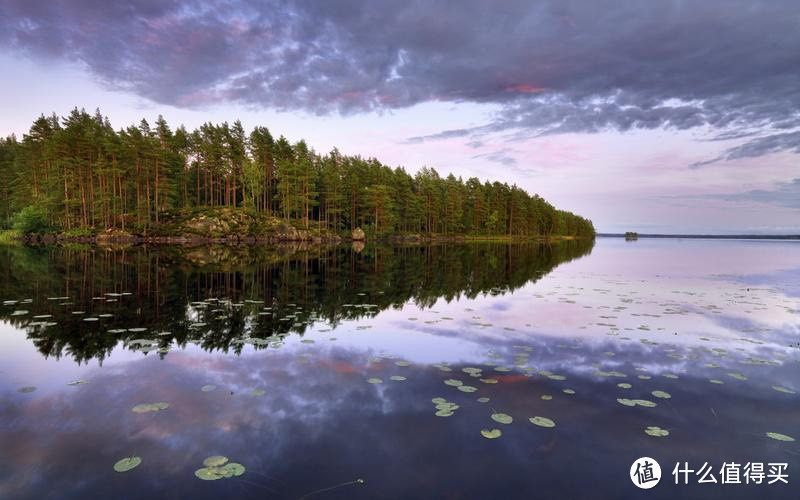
[(358, 234)]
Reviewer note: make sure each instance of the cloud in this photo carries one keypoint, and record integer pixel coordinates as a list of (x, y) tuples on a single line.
[(785, 194), (550, 67)]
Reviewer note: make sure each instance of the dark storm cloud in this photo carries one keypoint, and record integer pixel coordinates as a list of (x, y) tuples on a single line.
[(552, 66)]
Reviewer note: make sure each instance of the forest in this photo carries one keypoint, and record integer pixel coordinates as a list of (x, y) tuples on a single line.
[(77, 175)]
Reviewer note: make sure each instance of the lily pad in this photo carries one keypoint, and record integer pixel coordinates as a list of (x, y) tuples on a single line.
[(466, 388), (656, 431), (483, 400), (624, 385), (209, 473), (491, 433), (502, 418), (397, 378), (783, 389), (215, 461), (780, 437), (453, 382), (542, 421), (374, 380), (78, 382), (127, 464), (150, 407), (208, 388), (661, 394), (235, 469)]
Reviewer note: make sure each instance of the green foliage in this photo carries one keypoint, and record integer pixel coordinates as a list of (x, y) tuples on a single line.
[(9, 236), (31, 219), (78, 232), (86, 175)]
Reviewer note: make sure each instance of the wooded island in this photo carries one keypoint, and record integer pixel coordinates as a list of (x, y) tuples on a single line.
[(77, 176)]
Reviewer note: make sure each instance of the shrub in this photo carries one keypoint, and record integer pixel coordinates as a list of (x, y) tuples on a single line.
[(31, 219)]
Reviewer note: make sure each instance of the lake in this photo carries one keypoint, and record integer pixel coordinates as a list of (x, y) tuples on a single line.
[(456, 371)]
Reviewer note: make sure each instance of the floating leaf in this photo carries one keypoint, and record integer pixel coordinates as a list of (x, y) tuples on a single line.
[(208, 388), (716, 381), (661, 394), (568, 391), (483, 400), (402, 363), (783, 389), (78, 382), (466, 388), (374, 380), (438, 400), (397, 378), (215, 461), (491, 433), (209, 473), (502, 418), (149, 407), (780, 437), (624, 385), (656, 431), (489, 380), (542, 421), (127, 464), (444, 413), (453, 382), (235, 469), (546, 397), (258, 392)]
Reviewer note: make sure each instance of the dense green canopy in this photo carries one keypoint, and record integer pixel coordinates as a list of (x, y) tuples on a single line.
[(78, 174)]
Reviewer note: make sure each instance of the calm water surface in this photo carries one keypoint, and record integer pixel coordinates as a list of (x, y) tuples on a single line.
[(283, 362)]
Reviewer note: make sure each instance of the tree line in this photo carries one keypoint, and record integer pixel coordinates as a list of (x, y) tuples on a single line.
[(78, 174)]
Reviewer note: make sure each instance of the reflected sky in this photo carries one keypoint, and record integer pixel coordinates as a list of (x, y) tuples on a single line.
[(626, 313)]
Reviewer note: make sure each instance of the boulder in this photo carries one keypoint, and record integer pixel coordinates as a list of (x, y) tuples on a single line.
[(358, 234)]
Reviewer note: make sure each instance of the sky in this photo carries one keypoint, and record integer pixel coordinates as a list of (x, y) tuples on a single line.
[(663, 116)]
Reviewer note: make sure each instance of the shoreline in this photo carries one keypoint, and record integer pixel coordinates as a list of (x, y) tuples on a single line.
[(102, 240)]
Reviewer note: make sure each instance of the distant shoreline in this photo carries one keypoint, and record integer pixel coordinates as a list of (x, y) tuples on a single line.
[(708, 236)]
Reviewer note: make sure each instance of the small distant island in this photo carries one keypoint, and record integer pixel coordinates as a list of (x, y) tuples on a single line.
[(706, 236), (77, 179), (631, 236)]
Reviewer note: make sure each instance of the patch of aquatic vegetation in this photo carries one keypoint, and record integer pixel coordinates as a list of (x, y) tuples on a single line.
[(150, 407), (218, 467), (127, 464)]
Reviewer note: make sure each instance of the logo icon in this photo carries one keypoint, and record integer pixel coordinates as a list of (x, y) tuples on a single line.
[(645, 473)]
